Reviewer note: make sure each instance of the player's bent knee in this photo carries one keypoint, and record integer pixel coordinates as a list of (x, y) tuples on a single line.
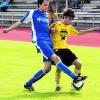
[(78, 65)]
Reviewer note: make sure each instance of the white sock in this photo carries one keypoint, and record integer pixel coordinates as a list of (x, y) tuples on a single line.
[(57, 85)]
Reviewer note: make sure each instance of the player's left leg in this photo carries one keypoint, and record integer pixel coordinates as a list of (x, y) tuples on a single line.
[(57, 79)]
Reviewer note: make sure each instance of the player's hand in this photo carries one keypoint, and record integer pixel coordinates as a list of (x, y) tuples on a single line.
[(53, 30), (5, 31), (96, 28)]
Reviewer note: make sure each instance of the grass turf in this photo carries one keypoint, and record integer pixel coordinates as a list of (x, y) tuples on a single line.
[(19, 61)]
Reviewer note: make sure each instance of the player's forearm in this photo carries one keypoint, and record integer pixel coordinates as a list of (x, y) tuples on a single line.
[(84, 31), (17, 24), (88, 30)]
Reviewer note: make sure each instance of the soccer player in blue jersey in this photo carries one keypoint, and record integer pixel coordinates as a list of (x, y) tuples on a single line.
[(40, 28)]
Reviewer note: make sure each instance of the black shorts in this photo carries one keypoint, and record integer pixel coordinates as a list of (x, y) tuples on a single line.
[(66, 55)]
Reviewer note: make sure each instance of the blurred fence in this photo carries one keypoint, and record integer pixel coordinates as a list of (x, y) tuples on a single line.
[(82, 20)]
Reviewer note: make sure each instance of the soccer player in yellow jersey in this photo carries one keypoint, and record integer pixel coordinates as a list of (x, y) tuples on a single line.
[(62, 29)]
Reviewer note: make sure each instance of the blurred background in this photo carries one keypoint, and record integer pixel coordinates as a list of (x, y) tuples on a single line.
[(87, 11)]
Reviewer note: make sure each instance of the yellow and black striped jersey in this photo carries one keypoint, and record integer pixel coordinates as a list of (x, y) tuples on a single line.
[(59, 38)]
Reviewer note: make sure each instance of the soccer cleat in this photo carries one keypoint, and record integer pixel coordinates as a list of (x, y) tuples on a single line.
[(77, 86), (78, 82), (30, 88), (79, 78), (58, 88)]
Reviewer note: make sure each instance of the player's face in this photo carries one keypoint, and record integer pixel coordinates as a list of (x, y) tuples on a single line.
[(44, 5), (68, 20)]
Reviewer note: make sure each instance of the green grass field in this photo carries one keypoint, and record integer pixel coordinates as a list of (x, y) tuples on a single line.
[(19, 61)]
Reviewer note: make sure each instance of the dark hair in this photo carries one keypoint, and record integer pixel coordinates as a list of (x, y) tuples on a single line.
[(39, 2), (68, 13), (50, 9)]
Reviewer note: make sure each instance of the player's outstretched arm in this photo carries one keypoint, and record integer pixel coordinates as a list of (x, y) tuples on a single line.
[(17, 24), (89, 30)]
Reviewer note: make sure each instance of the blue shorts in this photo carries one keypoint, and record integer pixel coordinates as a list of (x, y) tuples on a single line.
[(46, 48)]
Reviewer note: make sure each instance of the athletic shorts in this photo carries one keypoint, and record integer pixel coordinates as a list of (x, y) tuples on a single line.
[(66, 55), (45, 47)]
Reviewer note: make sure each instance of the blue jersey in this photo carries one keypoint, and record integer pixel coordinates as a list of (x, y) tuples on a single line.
[(39, 21), (40, 29)]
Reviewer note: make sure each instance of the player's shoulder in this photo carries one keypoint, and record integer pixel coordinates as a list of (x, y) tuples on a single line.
[(71, 26), (33, 10), (59, 23)]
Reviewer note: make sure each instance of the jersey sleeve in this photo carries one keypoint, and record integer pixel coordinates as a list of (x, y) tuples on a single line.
[(73, 31), (27, 17)]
